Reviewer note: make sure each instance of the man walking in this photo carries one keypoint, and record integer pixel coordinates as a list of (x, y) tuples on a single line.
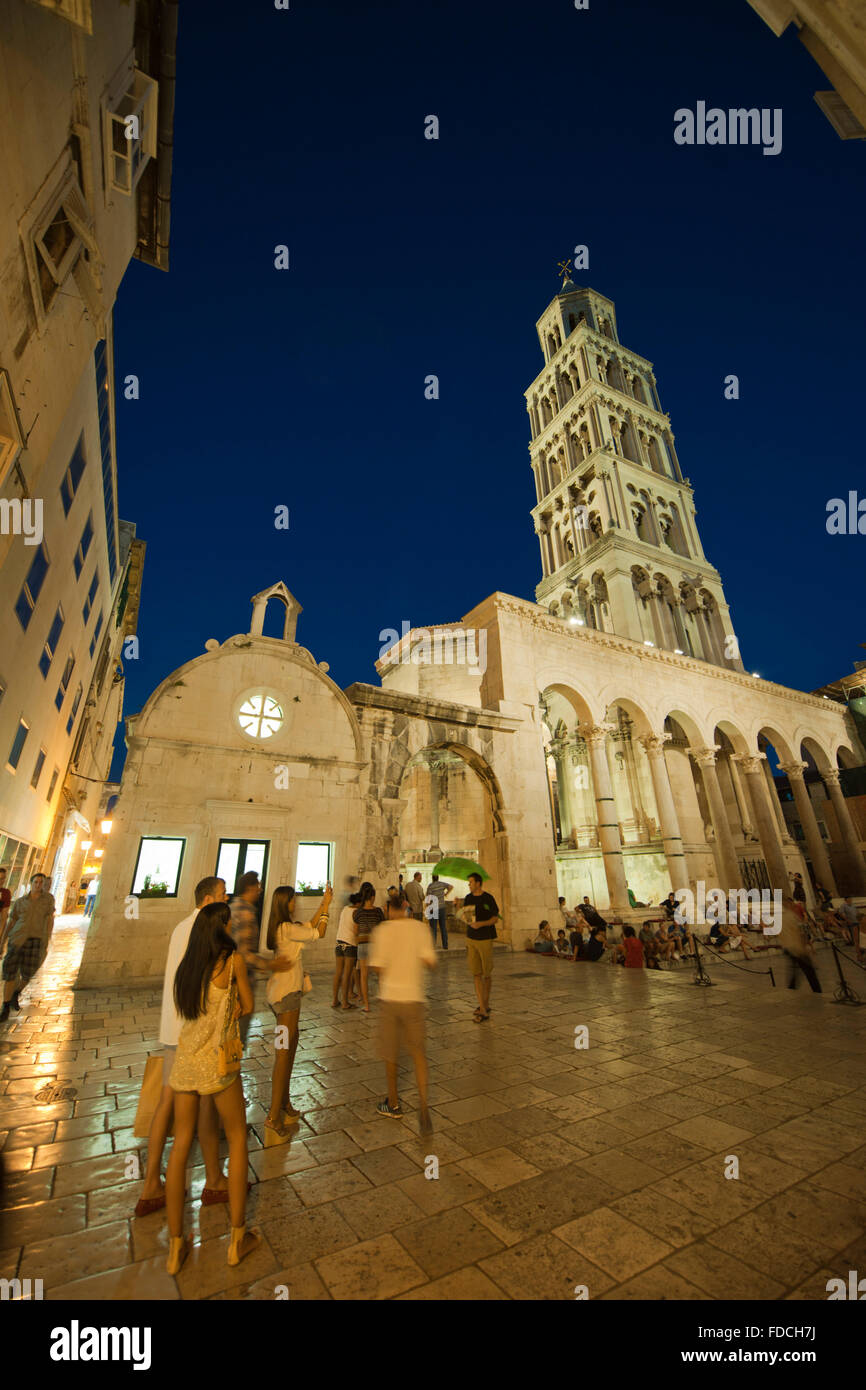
[(246, 930), (481, 913), (31, 922), (415, 897), (439, 890), (210, 890), (399, 950)]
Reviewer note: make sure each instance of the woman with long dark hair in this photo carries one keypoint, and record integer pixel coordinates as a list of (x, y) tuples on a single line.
[(203, 990), (287, 938), (366, 917)]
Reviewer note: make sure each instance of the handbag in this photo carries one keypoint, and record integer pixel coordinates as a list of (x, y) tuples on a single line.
[(149, 1097), (308, 984), (230, 1049)]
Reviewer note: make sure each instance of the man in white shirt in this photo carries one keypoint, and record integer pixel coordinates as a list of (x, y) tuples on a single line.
[(399, 950), (210, 890)]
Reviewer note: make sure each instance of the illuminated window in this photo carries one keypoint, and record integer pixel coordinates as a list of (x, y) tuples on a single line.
[(314, 866), (260, 716), (157, 869)]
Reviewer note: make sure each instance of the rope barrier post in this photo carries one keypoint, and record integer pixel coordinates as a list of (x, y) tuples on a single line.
[(701, 976), (843, 994)]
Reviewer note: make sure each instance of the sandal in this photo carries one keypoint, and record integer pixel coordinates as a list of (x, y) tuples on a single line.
[(276, 1134), (145, 1206)]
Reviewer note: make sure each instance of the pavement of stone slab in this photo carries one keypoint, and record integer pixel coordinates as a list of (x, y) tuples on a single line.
[(560, 1168)]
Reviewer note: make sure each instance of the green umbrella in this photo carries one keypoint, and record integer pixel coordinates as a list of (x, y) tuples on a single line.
[(459, 868)]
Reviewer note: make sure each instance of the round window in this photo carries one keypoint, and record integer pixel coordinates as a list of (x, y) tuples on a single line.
[(260, 716)]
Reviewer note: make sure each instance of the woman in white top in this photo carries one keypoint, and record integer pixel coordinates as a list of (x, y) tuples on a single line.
[(287, 939), (345, 954)]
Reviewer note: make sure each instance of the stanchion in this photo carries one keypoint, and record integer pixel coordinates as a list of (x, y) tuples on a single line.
[(701, 976), (843, 994)]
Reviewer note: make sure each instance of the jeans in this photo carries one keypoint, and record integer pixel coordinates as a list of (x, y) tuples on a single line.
[(443, 927)]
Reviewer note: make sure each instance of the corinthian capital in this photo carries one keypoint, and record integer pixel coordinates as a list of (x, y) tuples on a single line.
[(704, 757), (831, 777), (792, 770), (751, 762), (653, 744), (595, 734)]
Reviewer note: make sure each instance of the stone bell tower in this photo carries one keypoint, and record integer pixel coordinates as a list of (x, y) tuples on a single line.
[(614, 516)]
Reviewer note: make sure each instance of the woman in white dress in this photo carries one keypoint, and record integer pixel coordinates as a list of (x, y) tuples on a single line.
[(202, 991)]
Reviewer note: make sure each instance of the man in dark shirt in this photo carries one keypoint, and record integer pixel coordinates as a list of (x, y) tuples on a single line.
[(481, 912), (593, 917)]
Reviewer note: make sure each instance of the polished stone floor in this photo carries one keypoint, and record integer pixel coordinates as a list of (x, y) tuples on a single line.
[(558, 1167)]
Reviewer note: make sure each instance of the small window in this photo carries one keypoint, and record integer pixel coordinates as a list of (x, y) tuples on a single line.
[(51, 641), (18, 745), (52, 784), (130, 131), (72, 476), (37, 771), (64, 681), (83, 546), (314, 866), (91, 595), (72, 713), (32, 587), (11, 437), (157, 869), (96, 631)]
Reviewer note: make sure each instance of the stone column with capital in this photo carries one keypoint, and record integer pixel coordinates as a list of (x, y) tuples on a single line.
[(784, 833), (723, 846), (809, 821), (848, 830), (740, 797), (595, 737), (561, 751), (756, 787), (654, 747)]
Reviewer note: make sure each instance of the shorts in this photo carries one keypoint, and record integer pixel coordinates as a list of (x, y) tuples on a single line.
[(23, 960), (289, 1004), (400, 1022), (363, 950), (479, 957), (168, 1056), (344, 949)]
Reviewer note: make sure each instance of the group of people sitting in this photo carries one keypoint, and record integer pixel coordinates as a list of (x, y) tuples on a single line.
[(658, 940)]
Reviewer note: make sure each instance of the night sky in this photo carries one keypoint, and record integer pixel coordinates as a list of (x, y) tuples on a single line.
[(305, 387)]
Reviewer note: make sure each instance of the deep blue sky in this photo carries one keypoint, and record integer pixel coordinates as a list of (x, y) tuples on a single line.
[(408, 257)]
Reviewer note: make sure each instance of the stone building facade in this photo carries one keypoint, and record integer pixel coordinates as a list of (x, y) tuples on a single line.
[(80, 200), (556, 742)]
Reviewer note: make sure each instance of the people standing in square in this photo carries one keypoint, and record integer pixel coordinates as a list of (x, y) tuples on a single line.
[(481, 915), (399, 952)]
